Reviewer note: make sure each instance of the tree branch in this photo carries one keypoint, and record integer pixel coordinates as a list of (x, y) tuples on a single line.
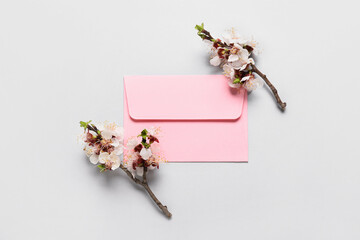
[(147, 188), (137, 181), (204, 34), (282, 104)]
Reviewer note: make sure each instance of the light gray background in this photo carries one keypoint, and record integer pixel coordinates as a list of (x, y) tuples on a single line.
[(63, 61)]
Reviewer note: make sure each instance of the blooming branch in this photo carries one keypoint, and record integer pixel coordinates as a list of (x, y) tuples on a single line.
[(104, 146), (233, 54)]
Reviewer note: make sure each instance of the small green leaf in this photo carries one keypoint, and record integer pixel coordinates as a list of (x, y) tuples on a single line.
[(84, 124), (101, 167), (200, 27), (236, 80), (144, 132)]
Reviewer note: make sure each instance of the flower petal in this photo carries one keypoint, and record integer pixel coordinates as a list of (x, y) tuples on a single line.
[(94, 159), (229, 71), (103, 157), (119, 133), (115, 165), (245, 78), (131, 143), (119, 150), (115, 142), (253, 84), (145, 153), (237, 64), (215, 61), (233, 58), (107, 134)]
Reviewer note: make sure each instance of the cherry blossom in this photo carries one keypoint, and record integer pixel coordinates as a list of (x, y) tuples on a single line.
[(111, 161), (143, 152), (234, 55), (103, 145)]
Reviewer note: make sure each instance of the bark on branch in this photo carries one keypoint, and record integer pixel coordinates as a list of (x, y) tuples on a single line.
[(282, 104), (145, 185)]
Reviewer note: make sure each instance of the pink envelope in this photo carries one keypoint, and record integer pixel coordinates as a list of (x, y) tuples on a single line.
[(201, 118)]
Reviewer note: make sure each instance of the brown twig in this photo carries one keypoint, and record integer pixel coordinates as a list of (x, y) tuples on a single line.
[(147, 188), (282, 104)]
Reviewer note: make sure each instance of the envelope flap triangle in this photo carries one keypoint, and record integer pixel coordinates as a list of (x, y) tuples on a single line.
[(189, 97)]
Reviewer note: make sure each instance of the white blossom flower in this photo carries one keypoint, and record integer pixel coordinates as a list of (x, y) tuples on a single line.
[(238, 57), (145, 153), (105, 146), (111, 161), (129, 160), (129, 165), (90, 153), (249, 41), (131, 144), (94, 159), (231, 37), (107, 133), (119, 150), (115, 142), (136, 161), (110, 130), (252, 83), (245, 66), (215, 61), (89, 150), (229, 71)]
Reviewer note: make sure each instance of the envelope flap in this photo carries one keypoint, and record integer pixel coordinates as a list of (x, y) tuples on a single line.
[(198, 97)]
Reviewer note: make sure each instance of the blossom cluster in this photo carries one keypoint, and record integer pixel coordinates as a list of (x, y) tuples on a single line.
[(233, 55), (103, 144), (143, 152)]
